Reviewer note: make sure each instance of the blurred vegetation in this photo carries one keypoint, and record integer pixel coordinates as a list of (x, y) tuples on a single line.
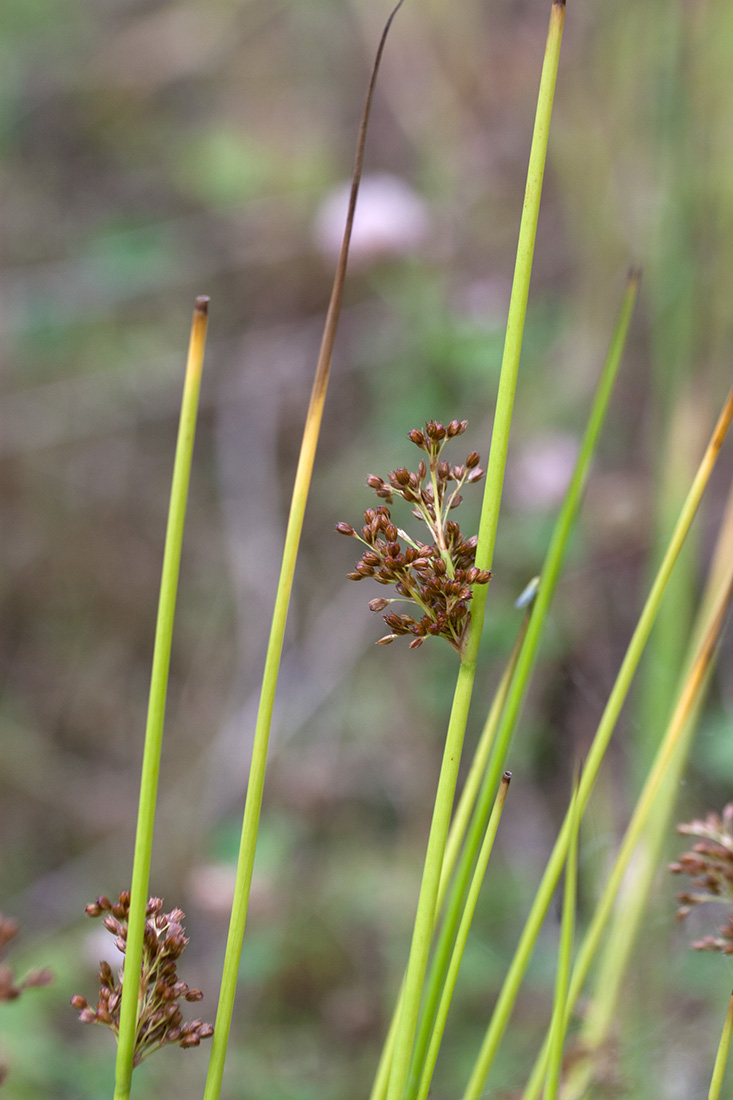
[(153, 151)]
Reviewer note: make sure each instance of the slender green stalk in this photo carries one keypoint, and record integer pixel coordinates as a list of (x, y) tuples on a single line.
[(558, 1026), (156, 703), (456, 836), (520, 293), (512, 982), (633, 898), (253, 803), (659, 786), (428, 1065), (664, 663), (427, 901), (722, 1056), (471, 787)]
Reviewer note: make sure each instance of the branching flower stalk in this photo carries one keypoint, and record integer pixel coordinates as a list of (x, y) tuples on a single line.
[(438, 577), (10, 987), (709, 864), (159, 1021)]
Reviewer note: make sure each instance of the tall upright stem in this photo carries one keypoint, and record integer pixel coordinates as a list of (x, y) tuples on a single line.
[(426, 907), (156, 704)]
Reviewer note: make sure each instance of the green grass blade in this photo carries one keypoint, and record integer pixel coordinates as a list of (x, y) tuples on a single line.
[(157, 700)]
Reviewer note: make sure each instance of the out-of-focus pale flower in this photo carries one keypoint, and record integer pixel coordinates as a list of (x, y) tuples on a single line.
[(541, 472), (390, 219)]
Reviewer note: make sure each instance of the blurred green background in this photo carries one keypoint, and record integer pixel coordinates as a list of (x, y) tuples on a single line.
[(150, 152)]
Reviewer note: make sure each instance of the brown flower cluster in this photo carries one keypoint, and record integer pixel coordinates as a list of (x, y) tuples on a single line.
[(10, 989), (710, 866), (437, 577), (159, 1019)]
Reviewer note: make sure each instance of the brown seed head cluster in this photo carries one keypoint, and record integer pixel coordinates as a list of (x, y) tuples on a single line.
[(709, 864), (159, 1020), (437, 577), (10, 989)]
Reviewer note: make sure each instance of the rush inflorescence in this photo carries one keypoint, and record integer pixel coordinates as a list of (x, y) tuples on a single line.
[(436, 577), (10, 987), (710, 866), (159, 1017)]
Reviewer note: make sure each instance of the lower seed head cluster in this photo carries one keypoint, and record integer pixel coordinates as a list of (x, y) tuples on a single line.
[(159, 1019)]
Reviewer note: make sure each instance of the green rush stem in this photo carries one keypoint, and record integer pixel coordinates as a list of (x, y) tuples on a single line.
[(428, 899), (455, 838), (131, 990), (471, 787), (558, 1026), (441, 1017), (427, 902), (507, 996), (658, 788), (722, 1055), (520, 293), (253, 803)]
